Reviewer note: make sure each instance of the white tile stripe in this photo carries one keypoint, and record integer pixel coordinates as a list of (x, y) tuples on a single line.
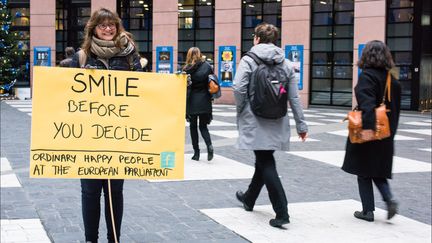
[(218, 168), (320, 222), (9, 179), (426, 149), (234, 134), (344, 133), (417, 131), (25, 109), (23, 231), (425, 124), (21, 105), (335, 158)]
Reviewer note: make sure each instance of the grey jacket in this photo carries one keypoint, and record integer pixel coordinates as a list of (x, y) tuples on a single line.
[(256, 133)]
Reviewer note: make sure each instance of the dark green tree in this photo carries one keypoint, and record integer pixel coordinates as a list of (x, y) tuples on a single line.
[(10, 54)]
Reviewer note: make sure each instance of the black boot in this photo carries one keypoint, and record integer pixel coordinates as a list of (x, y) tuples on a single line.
[(392, 208), (368, 216), (196, 154), (209, 152)]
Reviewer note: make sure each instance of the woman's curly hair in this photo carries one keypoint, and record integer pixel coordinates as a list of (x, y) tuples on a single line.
[(376, 55)]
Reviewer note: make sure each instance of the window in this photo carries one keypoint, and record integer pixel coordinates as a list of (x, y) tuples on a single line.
[(137, 18), (400, 17), (195, 28), (255, 12), (71, 18), (20, 27), (331, 52)]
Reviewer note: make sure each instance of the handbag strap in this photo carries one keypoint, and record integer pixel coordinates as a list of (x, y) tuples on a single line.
[(387, 88)]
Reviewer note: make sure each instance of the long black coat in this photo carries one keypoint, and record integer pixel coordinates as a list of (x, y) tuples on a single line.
[(199, 98), (375, 158)]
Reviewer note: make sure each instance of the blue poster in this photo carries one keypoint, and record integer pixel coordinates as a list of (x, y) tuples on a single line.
[(227, 65), (360, 51), (42, 56), (294, 53), (164, 59)]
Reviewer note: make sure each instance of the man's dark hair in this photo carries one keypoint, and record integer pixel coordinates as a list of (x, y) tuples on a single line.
[(376, 55), (267, 33), (69, 52)]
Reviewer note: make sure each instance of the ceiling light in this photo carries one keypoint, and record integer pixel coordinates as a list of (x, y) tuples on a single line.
[(146, 5), (323, 2), (141, 2), (179, 4), (251, 6), (209, 4)]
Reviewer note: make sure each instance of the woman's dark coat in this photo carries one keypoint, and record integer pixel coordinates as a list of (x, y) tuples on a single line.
[(199, 98), (375, 158), (131, 62)]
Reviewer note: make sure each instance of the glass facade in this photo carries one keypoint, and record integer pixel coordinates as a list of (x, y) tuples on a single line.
[(137, 18), (20, 27), (71, 18), (400, 25), (255, 12), (332, 35), (195, 28)]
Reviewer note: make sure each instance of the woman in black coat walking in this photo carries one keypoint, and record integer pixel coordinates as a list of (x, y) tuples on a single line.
[(199, 104), (373, 160)]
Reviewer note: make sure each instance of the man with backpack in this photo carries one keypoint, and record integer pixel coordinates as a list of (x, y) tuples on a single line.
[(263, 85)]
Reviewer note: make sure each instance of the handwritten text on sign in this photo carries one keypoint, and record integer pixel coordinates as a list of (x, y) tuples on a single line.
[(107, 124)]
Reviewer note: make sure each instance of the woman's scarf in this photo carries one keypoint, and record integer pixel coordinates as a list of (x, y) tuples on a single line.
[(106, 49)]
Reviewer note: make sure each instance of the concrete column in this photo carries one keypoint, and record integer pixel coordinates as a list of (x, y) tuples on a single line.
[(296, 21), (165, 27), (369, 24), (227, 33), (108, 4), (42, 29)]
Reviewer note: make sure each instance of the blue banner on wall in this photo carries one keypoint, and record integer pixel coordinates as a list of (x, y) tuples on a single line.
[(360, 51), (164, 59), (42, 56), (294, 53), (227, 65)]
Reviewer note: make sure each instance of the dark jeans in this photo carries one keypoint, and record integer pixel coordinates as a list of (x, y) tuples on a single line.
[(193, 126), (366, 191), (266, 174), (90, 197)]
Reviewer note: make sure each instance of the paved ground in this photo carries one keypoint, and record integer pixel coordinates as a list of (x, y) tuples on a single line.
[(203, 208)]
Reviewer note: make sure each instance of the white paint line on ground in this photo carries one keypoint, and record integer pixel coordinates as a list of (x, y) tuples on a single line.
[(426, 149), (320, 222), (234, 134), (18, 102), (218, 168), (335, 158), (334, 114), (332, 120), (226, 114), (25, 109), (23, 231), (21, 105), (222, 105), (216, 123), (344, 133), (312, 115), (10, 179), (418, 131), (310, 123), (424, 124)]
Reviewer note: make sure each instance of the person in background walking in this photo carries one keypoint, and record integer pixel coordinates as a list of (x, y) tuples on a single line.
[(373, 160), (106, 46), (69, 53), (199, 100), (262, 135)]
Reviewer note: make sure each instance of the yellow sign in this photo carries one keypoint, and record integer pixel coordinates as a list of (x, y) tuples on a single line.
[(101, 124)]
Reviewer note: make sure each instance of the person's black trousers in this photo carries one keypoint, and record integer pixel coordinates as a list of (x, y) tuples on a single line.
[(366, 191), (266, 174), (193, 126), (90, 199)]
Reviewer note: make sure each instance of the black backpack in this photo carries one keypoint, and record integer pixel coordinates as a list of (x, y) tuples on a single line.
[(268, 89)]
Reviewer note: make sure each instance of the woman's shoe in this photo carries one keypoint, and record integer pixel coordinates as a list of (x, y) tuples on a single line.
[(392, 208), (368, 216), (279, 222), (209, 152), (196, 155)]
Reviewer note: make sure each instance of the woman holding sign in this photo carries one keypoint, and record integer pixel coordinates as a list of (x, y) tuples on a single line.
[(198, 106), (106, 46)]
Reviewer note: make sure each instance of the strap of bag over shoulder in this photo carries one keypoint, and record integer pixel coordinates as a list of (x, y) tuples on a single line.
[(254, 56), (387, 89)]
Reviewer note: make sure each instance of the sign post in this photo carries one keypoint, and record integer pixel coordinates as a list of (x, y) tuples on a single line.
[(294, 53)]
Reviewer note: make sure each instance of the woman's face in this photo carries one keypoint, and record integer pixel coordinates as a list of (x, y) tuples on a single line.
[(106, 30)]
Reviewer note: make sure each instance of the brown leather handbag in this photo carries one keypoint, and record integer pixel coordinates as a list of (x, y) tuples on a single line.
[(382, 126), (213, 86)]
